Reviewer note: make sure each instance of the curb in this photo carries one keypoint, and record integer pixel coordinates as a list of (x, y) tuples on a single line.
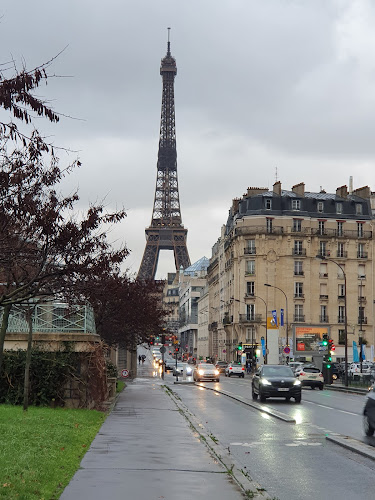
[(342, 388), (353, 445), (249, 487)]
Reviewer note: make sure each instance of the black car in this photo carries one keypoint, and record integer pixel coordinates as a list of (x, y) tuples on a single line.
[(276, 381), (369, 413)]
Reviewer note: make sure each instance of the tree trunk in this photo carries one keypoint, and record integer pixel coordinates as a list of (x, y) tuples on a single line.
[(26, 387), (3, 330)]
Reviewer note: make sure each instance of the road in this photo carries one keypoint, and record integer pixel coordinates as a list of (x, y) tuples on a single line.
[(291, 460)]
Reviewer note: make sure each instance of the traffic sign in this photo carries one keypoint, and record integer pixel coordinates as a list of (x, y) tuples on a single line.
[(287, 350), (125, 373), (163, 349)]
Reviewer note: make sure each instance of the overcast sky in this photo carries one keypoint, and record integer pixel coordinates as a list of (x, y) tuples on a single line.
[(261, 85)]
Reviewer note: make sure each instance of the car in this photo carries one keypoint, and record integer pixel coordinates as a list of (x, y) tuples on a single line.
[(310, 376), (235, 369), (355, 368), (369, 413), (276, 381), (221, 365), (295, 365), (179, 369), (206, 371), (169, 363)]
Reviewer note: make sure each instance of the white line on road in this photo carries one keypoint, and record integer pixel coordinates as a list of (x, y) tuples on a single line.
[(330, 408)]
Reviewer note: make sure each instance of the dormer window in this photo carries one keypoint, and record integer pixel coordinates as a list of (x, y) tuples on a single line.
[(296, 204), (358, 208), (339, 208), (268, 203), (320, 206)]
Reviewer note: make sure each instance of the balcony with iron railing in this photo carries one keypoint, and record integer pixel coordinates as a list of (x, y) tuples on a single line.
[(341, 254), (362, 320), (299, 318), (341, 319), (323, 275), (299, 252), (362, 255), (299, 273), (250, 318), (323, 297), (250, 251), (299, 295), (243, 231), (323, 318)]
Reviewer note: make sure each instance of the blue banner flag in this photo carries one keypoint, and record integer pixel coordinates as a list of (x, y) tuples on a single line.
[(274, 315), (282, 317), (263, 342), (363, 352), (355, 353)]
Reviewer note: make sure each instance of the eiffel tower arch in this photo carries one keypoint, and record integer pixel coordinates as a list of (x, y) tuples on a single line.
[(166, 231)]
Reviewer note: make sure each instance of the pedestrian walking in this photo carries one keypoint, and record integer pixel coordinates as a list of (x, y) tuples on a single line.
[(139, 359), (248, 367)]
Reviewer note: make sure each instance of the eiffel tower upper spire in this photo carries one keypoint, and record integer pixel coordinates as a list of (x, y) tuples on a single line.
[(166, 230)]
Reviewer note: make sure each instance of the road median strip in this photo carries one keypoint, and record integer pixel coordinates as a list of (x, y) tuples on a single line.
[(353, 445)]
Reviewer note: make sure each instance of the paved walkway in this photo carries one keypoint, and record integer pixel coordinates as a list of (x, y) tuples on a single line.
[(146, 450)]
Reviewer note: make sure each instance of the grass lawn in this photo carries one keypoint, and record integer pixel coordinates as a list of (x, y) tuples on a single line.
[(41, 449)]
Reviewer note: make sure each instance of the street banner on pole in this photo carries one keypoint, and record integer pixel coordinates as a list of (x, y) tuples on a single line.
[(355, 353), (281, 317), (274, 315)]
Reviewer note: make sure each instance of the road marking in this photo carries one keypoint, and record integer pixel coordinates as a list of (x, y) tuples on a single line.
[(247, 445), (300, 443), (330, 408)]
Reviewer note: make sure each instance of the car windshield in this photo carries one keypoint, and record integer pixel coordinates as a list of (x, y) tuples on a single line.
[(310, 369), (206, 365), (277, 371)]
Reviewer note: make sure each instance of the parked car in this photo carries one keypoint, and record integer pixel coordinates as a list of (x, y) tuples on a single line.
[(369, 413), (235, 369), (206, 371), (356, 368), (221, 365), (169, 363), (276, 381), (310, 376)]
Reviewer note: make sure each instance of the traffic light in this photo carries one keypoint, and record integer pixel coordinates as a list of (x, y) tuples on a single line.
[(239, 347), (163, 339), (331, 346), (325, 339)]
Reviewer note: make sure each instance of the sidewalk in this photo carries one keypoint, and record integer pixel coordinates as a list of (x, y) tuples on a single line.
[(146, 450)]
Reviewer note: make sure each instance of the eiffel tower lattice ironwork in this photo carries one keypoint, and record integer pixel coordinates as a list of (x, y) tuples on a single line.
[(166, 231)]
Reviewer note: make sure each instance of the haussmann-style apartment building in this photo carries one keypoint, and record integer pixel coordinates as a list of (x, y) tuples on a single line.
[(275, 238)]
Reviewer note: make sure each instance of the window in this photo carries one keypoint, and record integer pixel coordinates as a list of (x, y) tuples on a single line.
[(321, 229), (323, 291), (250, 267), (296, 204), (297, 247), (340, 228), (297, 225), (320, 206), (323, 314), (361, 271), (361, 251), (268, 203), (358, 208), (323, 248), (340, 272), (269, 225), (341, 317), (250, 248), (341, 337), (250, 312), (298, 269), (360, 229), (361, 315), (251, 335), (298, 312), (341, 291), (298, 290), (323, 272), (339, 207), (250, 288), (340, 250)]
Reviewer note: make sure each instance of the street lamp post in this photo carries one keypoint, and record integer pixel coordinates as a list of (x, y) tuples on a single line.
[(286, 314), (265, 304), (322, 257)]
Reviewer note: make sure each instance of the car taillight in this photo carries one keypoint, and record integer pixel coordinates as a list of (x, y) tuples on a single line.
[(243, 368), (302, 373), (230, 368), (320, 374)]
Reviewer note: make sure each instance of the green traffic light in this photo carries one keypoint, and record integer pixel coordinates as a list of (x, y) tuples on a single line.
[(240, 347), (324, 342), (328, 366)]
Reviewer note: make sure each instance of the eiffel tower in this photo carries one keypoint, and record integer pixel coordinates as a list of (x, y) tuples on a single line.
[(166, 231)]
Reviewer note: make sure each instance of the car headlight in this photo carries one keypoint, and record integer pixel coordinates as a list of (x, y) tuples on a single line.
[(264, 381), (200, 372), (188, 370), (297, 382), (217, 372)]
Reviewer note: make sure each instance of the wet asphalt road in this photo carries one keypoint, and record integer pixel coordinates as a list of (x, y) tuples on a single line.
[(290, 460)]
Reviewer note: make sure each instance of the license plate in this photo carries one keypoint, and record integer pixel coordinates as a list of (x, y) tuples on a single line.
[(283, 389), (312, 376)]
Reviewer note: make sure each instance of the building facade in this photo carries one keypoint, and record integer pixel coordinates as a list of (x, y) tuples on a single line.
[(267, 259)]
